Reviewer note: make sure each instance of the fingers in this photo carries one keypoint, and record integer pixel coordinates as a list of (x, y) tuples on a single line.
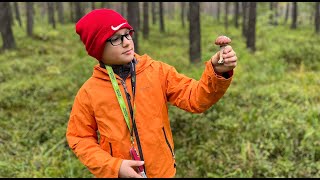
[(140, 174), (136, 163), (230, 64), (228, 52), (230, 59), (136, 175), (128, 169), (227, 49), (229, 56)]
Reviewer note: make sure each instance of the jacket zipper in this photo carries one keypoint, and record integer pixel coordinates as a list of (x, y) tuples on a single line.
[(165, 136), (134, 128)]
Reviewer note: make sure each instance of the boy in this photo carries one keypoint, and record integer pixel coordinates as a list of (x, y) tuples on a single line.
[(125, 101)]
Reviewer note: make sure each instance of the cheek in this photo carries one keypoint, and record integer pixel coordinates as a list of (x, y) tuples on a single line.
[(110, 55)]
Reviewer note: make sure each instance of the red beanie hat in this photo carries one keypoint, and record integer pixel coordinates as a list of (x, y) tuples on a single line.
[(96, 27)]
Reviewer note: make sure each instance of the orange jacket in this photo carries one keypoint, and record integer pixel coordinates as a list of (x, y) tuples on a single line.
[(96, 108)]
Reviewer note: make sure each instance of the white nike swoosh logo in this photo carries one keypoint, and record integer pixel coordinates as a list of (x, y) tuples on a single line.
[(116, 28)]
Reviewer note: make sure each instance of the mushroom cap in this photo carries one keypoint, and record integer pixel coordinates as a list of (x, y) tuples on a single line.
[(222, 40)]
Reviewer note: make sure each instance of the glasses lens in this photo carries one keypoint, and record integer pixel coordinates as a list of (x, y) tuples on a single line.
[(128, 36), (131, 33), (116, 40)]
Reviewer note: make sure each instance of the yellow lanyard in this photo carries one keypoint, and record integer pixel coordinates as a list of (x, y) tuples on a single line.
[(120, 97)]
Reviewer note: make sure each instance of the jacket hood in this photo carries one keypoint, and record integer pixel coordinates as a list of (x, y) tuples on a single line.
[(143, 62)]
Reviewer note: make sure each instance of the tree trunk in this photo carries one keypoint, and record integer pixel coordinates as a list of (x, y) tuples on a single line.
[(161, 17), (187, 10), (226, 22), (43, 10), (276, 14), (145, 20), (71, 10), (154, 13), (244, 18), (317, 17), (11, 15), (271, 13), (171, 9), (123, 9), (294, 15), (60, 12), (194, 32), (78, 11), (311, 18), (251, 34), (236, 15), (93, 6), (183, 5), (17, 12), (51, 19), (29, 10), (133, 21), (218, 11), (287, 13), (5, 28), (138, 15)]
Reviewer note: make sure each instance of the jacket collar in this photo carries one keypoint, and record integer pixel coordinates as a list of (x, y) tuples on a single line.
[(142, 62)]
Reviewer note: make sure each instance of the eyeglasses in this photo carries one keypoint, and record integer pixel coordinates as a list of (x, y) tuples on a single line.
[(117, 40)]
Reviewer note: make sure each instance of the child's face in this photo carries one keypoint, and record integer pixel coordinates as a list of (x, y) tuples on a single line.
[(119, 52)]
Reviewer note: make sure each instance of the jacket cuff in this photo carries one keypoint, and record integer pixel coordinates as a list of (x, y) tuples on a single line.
[(116, 166), (225, 75)]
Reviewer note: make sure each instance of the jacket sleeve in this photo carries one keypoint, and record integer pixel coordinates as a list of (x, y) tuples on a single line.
[(83, 140), (195, 96)]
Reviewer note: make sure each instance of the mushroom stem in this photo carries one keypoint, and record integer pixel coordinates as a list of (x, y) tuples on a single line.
[(222, 41), (221, 60)]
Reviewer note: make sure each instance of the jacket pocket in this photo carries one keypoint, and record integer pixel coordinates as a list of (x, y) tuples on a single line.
[(167, 141), (106, 145), (168, 144), (110, 146)]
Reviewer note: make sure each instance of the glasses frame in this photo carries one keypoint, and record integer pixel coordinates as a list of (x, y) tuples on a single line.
[(130, 33)]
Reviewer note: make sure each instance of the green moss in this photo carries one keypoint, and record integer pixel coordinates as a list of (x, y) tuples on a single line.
[(266, 125)]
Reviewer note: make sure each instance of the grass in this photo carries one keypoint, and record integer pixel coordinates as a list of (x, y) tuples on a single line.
[(266, 125)]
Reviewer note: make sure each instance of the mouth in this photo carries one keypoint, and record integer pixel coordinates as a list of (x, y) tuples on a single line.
[(128, 51)]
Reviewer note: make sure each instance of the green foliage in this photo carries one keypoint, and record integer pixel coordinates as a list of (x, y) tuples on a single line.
[(38, 85), (266, 125)]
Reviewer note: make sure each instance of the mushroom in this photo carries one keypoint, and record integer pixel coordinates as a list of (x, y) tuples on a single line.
[(222, 41)]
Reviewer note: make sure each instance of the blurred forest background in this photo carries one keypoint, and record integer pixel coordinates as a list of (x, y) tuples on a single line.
[(266, 125)]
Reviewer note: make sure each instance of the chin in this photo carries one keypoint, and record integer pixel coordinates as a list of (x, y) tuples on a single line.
[(125, 60), (128, 58)]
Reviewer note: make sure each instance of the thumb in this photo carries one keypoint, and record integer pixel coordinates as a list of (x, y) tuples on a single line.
[(215, 58)]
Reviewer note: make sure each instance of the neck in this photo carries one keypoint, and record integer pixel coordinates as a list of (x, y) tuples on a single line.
[(122, 70)]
